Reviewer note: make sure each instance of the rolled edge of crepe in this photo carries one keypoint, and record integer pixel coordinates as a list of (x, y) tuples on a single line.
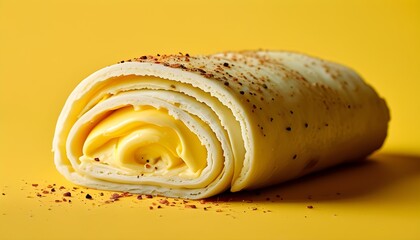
[(195, 126)]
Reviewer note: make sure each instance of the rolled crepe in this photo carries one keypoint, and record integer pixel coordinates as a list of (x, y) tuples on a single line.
[(195, 126)]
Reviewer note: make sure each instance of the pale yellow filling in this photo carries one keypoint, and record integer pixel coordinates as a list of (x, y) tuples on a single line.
[(145, 142)]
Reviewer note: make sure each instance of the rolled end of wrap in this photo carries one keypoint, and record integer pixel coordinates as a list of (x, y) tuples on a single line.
[(195, 126)]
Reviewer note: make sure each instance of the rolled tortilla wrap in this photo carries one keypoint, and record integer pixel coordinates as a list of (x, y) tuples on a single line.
[(195, 126)]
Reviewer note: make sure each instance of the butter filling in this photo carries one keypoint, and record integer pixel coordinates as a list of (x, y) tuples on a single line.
[(145, 141)]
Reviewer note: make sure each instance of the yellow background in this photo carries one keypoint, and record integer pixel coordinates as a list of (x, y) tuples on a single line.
[(47, 47)]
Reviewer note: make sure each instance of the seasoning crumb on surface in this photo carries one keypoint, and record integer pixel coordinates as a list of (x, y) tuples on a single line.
[(190, 206), (67, 194), (88, 196), (310, 207), (115, 196)]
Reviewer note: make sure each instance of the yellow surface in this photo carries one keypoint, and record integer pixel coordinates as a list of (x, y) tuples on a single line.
[(47, 47)]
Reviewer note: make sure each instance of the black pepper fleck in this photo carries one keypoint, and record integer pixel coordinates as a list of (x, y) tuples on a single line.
[(242, 92), (88, 196), (226, 64), (289, 129)]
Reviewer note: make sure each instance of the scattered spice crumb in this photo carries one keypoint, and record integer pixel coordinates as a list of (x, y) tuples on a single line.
[(139, 197), (34, 185), (88, 196), (190, 206), (310, 206), (115, 196), (67, 194)]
